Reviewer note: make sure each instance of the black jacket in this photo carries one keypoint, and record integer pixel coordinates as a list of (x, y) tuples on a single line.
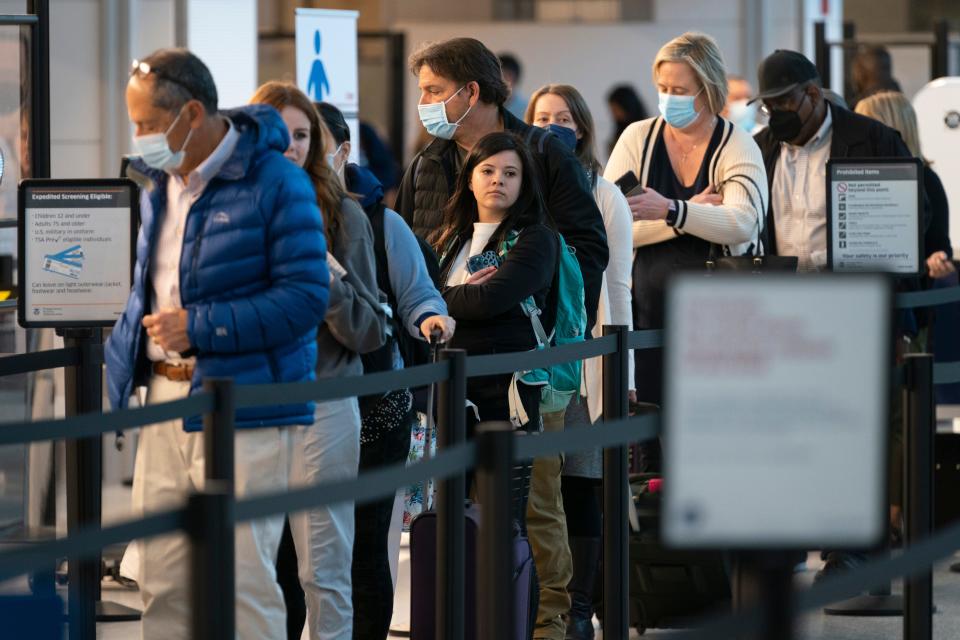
[(489, 317), (854, 136), (430, 180)]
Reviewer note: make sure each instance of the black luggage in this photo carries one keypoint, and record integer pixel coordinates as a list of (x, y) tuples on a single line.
[(669, 588)]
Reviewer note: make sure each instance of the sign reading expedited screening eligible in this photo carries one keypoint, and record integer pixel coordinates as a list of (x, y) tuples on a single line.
[(874, 215), (76, 250)]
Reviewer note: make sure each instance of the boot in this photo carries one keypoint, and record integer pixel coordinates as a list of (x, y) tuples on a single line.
[(585, 553)]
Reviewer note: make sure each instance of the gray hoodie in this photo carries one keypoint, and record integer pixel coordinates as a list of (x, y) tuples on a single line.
[(355, 322)]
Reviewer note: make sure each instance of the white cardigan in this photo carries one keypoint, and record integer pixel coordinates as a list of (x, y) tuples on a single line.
[(736, 223), (615, 300)]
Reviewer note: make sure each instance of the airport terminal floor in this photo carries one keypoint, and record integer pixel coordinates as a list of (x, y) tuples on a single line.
[(815, 626)]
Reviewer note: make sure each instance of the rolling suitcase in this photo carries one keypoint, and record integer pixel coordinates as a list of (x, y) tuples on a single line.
[(423, 572), (423, 564), (669, 587)]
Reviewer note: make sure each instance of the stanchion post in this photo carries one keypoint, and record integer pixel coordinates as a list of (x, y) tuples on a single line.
[(210, 518), (218, 431), (83, 392), (495, 545), (451, 493), (616, 493), (821, 52), (940, 58), (919, 426), (210, 522)]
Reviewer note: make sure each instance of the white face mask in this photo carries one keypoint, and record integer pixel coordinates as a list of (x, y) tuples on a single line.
[(332, 158), (155, 149), (434, 118)]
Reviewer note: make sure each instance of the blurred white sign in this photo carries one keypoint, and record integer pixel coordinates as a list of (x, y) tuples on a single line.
[(776, 411)]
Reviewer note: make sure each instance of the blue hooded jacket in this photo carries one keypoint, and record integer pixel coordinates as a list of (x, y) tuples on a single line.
[(253, 274)]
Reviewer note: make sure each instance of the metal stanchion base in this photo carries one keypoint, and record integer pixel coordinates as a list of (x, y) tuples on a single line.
[(115, 612), (868, 606)]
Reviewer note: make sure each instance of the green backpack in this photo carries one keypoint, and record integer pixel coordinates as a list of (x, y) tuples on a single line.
[(560, 382)]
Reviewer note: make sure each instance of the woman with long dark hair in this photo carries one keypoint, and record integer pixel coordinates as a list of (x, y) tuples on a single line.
[(497, 203)]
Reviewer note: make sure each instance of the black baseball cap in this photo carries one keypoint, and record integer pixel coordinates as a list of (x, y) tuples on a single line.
[(783, 71)]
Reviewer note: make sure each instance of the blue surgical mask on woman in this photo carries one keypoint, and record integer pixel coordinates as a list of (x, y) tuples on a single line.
[(155, 149), (434, 118), (678, 111), (567, 135)]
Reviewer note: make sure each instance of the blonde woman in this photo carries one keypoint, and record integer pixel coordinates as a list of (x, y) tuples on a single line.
[(702, 187), (894, 110)]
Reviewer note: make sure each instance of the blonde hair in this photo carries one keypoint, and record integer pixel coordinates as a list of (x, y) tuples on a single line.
[(580, 112), (702, 54), (894, 110)]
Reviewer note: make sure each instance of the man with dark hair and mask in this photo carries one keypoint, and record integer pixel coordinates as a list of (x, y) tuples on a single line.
[(462, 97), (805, 131)]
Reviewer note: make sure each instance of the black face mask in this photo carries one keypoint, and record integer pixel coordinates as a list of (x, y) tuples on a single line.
[(786, 125)]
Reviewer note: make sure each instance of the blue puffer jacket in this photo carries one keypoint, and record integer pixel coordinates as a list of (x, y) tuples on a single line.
[(253, 275)]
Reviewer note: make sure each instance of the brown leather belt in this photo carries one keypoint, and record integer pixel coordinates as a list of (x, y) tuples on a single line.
[(174, 372)]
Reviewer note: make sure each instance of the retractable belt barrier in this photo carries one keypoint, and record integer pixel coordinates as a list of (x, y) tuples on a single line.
[(449, 463)]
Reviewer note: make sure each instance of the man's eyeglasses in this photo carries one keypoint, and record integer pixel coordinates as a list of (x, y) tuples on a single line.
[(781, 103)]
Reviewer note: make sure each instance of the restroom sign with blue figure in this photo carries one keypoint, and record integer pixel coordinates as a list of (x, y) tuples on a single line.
[(326, 47), (67, 263)]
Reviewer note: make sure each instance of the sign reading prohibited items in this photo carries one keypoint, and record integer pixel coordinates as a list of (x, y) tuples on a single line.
[(874, 215), (76, 251)]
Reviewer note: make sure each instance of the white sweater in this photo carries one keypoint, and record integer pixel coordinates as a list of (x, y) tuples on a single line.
[(615, 300), (736, 222)]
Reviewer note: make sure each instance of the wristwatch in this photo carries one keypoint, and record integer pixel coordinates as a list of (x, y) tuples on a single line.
[(672, 211)]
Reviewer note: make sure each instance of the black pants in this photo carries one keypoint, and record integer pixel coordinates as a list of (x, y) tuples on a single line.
[(372, 582), (289, 581)]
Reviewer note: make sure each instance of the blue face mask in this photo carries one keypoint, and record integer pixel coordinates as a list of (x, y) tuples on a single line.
[(434, 118), (567, 135), (678, 111)]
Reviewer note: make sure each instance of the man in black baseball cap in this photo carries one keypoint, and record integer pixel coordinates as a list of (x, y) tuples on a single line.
[(791, 96), (805, 131)]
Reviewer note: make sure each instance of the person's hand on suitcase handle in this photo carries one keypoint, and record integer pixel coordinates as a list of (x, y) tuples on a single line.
[(443, 325)]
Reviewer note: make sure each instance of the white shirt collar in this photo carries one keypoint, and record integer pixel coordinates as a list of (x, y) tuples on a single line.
[(210, 167)]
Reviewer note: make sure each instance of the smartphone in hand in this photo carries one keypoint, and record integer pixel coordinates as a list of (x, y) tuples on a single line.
[(629, 184), (482, 261)]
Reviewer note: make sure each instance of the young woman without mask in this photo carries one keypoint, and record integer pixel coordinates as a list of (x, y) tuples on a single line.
[(563, 110), (330, 448), (497, 198), (681, 159)]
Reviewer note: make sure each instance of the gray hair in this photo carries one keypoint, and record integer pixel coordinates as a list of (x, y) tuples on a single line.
[(179, 76)]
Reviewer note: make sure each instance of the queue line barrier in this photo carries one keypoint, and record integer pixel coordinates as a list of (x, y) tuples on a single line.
[(209, 516)]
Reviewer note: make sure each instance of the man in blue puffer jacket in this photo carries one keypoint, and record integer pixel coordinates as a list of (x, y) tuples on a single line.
[(231, 280)]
